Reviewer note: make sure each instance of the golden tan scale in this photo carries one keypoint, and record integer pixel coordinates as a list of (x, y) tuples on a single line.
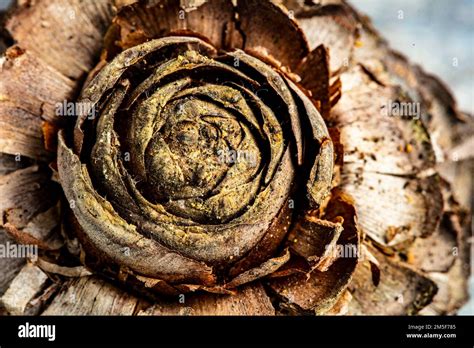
[(239, 153)]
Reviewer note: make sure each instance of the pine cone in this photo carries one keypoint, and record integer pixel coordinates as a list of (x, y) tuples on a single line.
[(219, 157)]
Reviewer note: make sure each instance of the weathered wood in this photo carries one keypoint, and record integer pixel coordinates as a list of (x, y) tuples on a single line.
[(92, 296), (9, 266), (400, 291), (249, 300), (23, 289)]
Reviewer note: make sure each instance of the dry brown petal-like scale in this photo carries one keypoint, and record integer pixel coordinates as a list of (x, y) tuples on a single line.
[(233, 153)]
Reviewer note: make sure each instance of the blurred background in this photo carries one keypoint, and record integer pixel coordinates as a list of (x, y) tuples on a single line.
[(436, 34), (439, 36)]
